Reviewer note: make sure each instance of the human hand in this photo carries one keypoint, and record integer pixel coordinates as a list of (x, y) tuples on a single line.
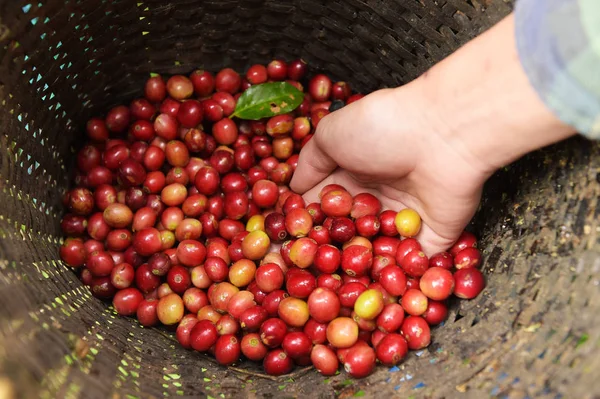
[(431, 144), (389, 144)]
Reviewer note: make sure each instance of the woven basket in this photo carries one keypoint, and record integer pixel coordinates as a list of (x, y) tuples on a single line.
[(534, 332)]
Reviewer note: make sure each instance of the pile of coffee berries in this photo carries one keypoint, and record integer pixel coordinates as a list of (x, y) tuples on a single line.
[(182, 216)]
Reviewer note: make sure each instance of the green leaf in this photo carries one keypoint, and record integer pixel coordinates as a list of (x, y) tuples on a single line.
[(267, 100), (582, 340)]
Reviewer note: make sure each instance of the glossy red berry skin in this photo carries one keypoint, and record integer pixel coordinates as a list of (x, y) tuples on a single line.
[(323, 305), (391, 317), (437, 283), (324, 359), (277, 362), (416, 331), (415, 263), (127, 301), (468, 283), (360, 361), (387, 223), (203, 82), (356, 260), (414, 302), (272, 332), (443, 260), (436, 313), (467, 258), (297, 345), (465, 240), (327, 259), (253, 348), (393, 280), (392, 349), (227, 349), (203, 335)]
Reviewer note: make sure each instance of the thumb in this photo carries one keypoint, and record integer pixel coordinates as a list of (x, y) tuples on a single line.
[(314, 165)]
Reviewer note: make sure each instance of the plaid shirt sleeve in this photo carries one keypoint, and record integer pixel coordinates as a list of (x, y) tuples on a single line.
[(558, 43)]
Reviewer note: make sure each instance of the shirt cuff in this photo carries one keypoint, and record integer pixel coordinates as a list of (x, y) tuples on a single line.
[(558, 42)]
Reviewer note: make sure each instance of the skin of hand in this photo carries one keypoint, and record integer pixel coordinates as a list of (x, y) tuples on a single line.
[(430, 145)]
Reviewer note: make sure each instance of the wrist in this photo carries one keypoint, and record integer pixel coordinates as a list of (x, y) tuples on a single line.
[(483, 104)]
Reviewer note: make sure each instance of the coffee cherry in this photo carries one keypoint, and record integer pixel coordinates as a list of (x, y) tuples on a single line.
[(145, 280), (97, 130), (337, 203), (320, 87), (387, 219), (414, 302), (467, 258), (324, 360), (393, 280), (383, 245), (342, 229), (170, 309), (242, 272), (356, 260), (203, 82), (360, 361), (73, 252), (146, 312), (253, 348), (117, 119), (468, 283), (209, 313), (340, 91), (227, 350), (272, 332), (443, 260), (257, 74), (297, 345), (81, 201), (416, 332), (277, 362), (269, 277), (327, 258), (437, 283), (179, 279), (303, 252), (296, 69), (203, 335), (127, 301), (365, 204), (293, 311), (180, 87), (415, 263), (391, 317), (323, 305), (342, 332), (255, 245), (228, 80), (225, 131), (392, 349), (122, 275), (436, 313), (369, 304), (240, 303), (465, 240), (298, 222), (330, 281)]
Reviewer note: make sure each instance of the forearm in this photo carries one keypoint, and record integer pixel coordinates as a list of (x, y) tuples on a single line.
[(485, 105)]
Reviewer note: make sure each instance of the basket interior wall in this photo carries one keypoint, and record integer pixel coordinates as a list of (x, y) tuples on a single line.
[(534, 331)]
